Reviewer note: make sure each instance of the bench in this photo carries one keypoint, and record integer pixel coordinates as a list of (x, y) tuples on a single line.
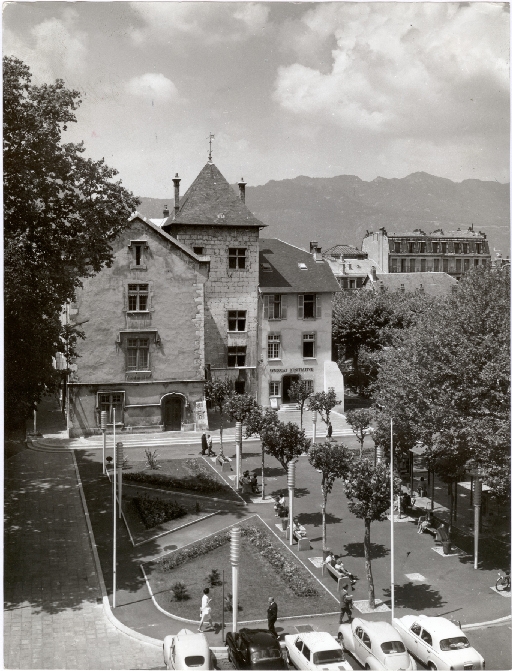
[(303, 544), (225, 464)]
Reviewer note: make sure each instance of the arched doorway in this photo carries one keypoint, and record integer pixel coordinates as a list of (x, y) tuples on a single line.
[(172, 412), (288, 380)]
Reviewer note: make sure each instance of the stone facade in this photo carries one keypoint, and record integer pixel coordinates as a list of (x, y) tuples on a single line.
[(144, 349)]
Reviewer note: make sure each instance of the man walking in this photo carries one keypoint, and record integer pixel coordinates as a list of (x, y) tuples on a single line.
[(346, 605), (204, 443), (272, 616), (209, 443)]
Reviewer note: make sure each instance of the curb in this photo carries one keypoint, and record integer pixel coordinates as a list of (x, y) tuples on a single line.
[(142, 638), (489, 623)]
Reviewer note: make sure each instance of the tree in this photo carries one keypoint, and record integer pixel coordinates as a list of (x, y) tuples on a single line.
[(323, 402), (333, 461), (299, 392), (217, 393), (284, 442), (360, 420), (61, 212), (368, 490), (365, 321), (239, 407), (450, 375)]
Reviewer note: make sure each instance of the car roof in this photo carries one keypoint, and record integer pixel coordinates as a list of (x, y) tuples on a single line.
[(258, 637), (319, 640), (382, 632), (191, 642), (440, 626)]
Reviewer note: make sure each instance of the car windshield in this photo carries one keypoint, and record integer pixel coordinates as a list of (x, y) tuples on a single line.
[(392, 647), (194, 660), (328, 657), (455, 643), (265, 653)]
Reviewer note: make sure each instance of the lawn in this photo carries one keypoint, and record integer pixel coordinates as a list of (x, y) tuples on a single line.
[(258, 580), (194, 476), (141, 534)]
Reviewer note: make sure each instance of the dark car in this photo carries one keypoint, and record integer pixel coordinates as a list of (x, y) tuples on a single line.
[(254, 649)]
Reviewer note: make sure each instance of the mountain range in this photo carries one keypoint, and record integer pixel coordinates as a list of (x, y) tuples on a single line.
[(339, 210)]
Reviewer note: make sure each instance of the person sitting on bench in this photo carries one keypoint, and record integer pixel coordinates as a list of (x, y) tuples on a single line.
[(298, 530), (254, 483), (339, 566), (279, 503), (426, 525)]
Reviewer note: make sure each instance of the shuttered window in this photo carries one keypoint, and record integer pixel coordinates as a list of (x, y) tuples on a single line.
[(274, 306), (309, 306)]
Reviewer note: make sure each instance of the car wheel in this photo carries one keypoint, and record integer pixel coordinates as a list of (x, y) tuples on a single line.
[(432, 666), (289, 659), (367, 667)]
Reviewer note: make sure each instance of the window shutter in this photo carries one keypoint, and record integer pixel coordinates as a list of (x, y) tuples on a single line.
[(265, 307), (300, 306), (283, 306), (318, 313)]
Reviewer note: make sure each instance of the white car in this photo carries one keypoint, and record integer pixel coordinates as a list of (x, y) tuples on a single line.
[(375, 645), (438, 643), (315, 650), (187, 650)]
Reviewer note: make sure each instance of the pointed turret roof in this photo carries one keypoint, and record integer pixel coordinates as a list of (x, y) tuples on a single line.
[(210, 200)]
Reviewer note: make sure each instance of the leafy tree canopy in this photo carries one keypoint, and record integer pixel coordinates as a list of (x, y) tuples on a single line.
[(332, 460), (446, 381), (239, 407), (61, 211), (283, 441), (323, 402), (368, 490)]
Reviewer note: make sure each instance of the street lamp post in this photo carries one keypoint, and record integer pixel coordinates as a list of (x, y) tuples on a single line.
[(103, 424), (235, 560), (119, 464), (114, 552), (315, 415), (477, 473), (291, 488), (392, 471), (238, 447)]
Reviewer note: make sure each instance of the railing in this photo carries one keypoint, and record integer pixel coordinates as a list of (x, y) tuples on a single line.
[(138, 320)]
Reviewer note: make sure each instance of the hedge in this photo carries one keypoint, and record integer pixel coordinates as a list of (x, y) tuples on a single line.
[(201, 481), (157, 511)]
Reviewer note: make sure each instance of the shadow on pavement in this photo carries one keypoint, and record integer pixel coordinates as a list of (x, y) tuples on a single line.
[(316, 518), (377, 551), (413, 595)]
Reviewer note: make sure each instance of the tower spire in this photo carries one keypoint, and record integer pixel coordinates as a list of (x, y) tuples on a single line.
[(210, 138)]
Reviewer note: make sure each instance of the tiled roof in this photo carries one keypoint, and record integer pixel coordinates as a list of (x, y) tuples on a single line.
[(346, 251), (283, 274), (436, 284), (438, 233), (352, 267), (210, 200)]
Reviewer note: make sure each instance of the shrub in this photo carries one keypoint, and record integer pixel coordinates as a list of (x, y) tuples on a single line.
[(198, 549), (180, 592), (298, 580), (213, 578), (228, 604), (197, 508), (152, 460), (157, 511)]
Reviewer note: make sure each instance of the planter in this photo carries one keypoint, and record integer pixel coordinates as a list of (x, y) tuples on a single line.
[(447, 547), (284, 523)]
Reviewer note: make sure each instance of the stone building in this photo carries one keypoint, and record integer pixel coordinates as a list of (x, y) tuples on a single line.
[(433, 284), (213, 221), (296, 292), (454, 252), (144, 351)]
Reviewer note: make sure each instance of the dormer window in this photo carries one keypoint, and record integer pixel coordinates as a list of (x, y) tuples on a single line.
[(138, 249), (266, 267), (302, 266)]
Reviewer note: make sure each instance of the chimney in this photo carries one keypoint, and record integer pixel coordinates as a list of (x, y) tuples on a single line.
[(312, 247), (317, 255), (166, 210), (241, 188), (176, 181)]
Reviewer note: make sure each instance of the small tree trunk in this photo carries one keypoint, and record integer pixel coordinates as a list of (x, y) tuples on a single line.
[(262, 471), (451, 506), (361, 449), (368, 562), (455, 503), (324, 523), (220, 432)]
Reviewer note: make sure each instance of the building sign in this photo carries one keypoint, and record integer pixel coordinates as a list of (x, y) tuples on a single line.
[(292, 370)]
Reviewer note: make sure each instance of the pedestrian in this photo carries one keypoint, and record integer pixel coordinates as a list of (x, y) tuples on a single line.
[(209, 443), (329, 431), (204, 443), (272, 616), (206, 609), (346, 604)]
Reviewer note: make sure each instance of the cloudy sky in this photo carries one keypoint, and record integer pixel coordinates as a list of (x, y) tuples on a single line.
[(318, 89)]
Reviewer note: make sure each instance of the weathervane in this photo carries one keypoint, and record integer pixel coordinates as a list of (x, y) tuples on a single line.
[(210, 138)]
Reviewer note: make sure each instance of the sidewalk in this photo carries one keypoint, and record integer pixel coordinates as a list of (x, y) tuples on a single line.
[(53, 615)]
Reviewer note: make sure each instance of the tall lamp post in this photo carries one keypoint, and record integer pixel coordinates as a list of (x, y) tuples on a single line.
[(392, 471), (103, 424), (291, 488), (235, 560), (238, 448), (315, 416), (477, 473), (114, 552)]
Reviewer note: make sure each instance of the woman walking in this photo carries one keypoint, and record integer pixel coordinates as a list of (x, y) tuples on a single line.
[(206, 609)]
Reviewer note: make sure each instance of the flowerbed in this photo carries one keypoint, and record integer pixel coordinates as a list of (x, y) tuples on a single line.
[(158, 511), (191, 475)]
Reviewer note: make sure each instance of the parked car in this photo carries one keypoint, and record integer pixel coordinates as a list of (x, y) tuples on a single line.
[(315, 650), (375, 645), (254, 649), (187, 650), (438, 643)]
